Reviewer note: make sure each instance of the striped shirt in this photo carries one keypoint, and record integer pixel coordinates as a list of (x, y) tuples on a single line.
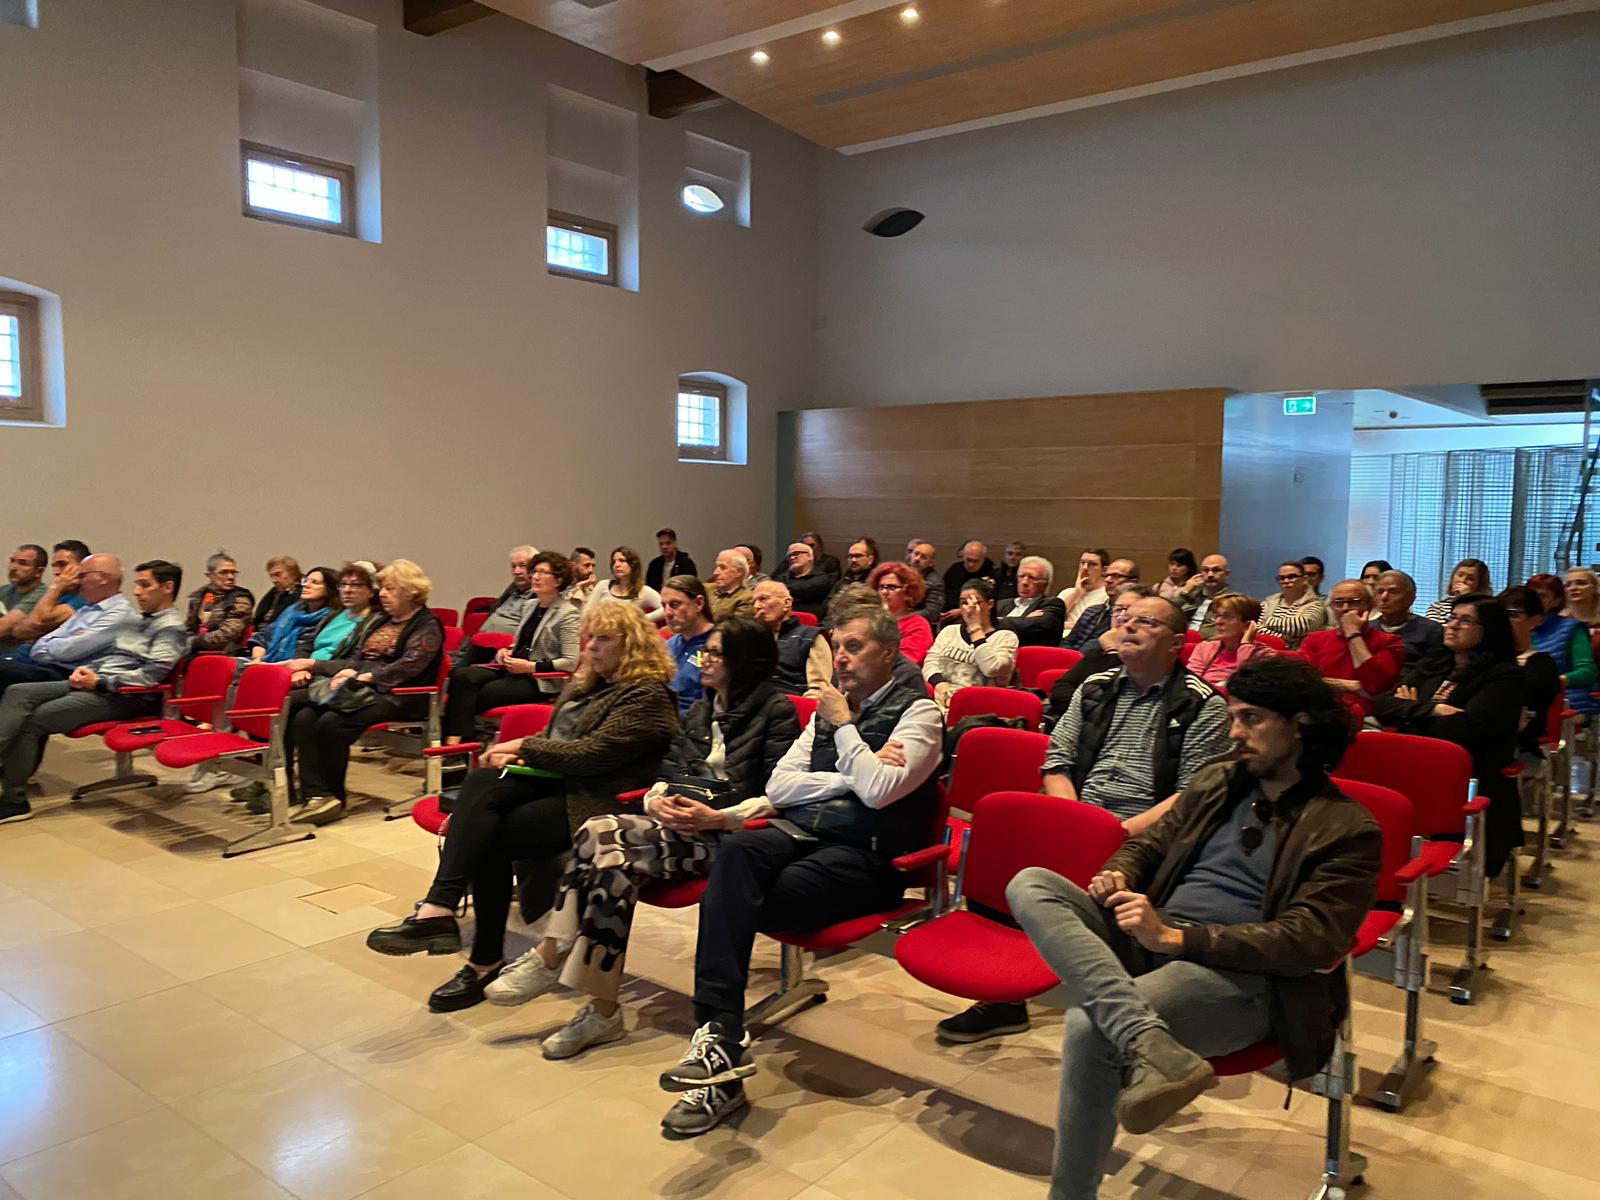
[(1122, 777)]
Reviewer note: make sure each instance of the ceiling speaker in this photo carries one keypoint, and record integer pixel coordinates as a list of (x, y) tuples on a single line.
[(893, 222)]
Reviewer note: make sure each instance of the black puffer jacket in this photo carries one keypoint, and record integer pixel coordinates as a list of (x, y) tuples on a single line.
[(756, 732)]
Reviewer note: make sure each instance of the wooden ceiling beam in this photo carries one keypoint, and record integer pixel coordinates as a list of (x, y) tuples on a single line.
[(429, 17), (672, 94)]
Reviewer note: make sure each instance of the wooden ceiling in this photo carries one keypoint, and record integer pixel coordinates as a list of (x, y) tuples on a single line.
[(890, 77)]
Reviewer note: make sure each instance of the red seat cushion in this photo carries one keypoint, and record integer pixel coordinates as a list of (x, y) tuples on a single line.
[(673, 893), (425, 812), (970, 956), (93, 729), (1377, 924), (846, 933), (1252, 1058), (202, 747), (122, 740)]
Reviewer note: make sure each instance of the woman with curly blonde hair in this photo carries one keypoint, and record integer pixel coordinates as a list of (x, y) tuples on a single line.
[(614, 721)]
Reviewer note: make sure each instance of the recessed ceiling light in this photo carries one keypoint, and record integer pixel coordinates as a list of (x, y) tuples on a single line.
[(760, 56), (910, 15), (831, 37)]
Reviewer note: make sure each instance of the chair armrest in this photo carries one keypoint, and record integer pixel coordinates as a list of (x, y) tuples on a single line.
[(447, 751), (188, 701), (634, 797), (414, 691), (154, 689), (551, 675), (1436, 857), (1513, 771), (918, 859), (251, 712), (1412, 871), (756, 823), (1476, 805)]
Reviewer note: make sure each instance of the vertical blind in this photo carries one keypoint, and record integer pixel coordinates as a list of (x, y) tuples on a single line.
[(1426, 512)]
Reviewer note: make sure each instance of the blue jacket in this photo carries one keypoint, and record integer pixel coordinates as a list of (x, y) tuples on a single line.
[(281, 637)]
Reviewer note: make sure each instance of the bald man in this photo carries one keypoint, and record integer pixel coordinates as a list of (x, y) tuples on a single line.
[(87, 633), (1205, 586)]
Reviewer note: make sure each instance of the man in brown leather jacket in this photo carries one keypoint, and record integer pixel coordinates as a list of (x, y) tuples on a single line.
[(1213, 929)]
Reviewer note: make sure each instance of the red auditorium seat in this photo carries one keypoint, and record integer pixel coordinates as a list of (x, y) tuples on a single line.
[(1034, 661), (1002, 702), (520, 721)]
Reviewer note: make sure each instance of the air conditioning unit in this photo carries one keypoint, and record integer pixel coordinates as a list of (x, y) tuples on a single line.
[(1538, 396)]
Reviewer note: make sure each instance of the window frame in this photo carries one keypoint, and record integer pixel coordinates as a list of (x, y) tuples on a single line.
[(29, 406), (555, 218), (343, 172), (719, 392)]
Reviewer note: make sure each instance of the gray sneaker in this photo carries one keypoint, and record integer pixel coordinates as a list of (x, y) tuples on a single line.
[(704, 1108), (586, 1029), (521, 980), (1159, 1077)]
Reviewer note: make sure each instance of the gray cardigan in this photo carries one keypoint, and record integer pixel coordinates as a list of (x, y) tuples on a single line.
[(555, 642)]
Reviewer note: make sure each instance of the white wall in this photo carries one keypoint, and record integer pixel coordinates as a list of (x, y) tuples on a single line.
[(436, 396), (1417, 216)]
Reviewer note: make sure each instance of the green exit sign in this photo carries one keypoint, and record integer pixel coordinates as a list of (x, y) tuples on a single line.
[(1299, 406)]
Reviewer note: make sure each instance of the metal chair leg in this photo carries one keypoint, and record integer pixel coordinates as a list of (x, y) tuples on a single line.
[(1505, 925), (796, 990), (280, 830), (126, 777), (1342, 1167), (1539, 790), (1410, 951)]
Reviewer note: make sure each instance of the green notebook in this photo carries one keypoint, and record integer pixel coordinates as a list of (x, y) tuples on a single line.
[(519, 769)]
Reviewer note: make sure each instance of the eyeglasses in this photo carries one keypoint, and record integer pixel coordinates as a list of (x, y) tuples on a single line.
[(1517, 613), (1347, 602), (1148, 623), (544, 571), (1453, 619), (1290, 578), (891, 587), (712, 652), (1251, 836)]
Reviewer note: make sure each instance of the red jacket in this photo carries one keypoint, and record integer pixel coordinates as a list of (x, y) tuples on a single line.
[(1330, 653)]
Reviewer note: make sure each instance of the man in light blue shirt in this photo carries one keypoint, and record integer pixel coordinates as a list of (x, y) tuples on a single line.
[(86, 635)]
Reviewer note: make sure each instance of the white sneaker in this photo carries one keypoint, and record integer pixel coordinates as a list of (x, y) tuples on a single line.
[(586, 1029), (204, 779), (521, 980)]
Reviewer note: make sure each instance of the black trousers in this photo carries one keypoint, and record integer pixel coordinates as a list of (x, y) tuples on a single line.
[(762, 879), (496, 823), (12, 671), (475, 690), (320, 741)]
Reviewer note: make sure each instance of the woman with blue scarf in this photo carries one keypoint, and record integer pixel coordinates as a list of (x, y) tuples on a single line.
[(278, 641)]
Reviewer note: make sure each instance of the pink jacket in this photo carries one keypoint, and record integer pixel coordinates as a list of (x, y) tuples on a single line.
[(1216, 666)]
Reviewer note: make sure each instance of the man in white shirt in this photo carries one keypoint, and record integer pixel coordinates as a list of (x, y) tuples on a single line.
[(1090, 588), (856, 789), (88, 633)]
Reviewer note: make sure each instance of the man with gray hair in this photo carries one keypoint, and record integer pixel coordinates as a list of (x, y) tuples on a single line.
[(1034, 615), (511, 608), (974, 563), (855, 789), (1393, 595), (88, 633), (730, 590), (919, 557)]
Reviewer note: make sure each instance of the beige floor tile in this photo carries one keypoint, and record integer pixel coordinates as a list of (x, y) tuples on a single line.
[(208, 876), (404, 881), (155, 1156), (412, 976), (557, 1145), (53, 1090), (34, 861), (197, 940), (369, 830), (322, 853), (949, 1153), (16, 1017), (279, 909), (316, 1131), (105, 893), (78, 973), (466, 1173), (178, 1042), (29, 920)]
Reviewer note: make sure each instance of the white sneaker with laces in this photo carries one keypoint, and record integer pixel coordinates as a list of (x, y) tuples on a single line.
[(521, 980), (586, 1029), (203, 780)]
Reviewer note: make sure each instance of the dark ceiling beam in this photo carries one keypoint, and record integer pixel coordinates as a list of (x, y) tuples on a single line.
[(429, 17), (672, 94)]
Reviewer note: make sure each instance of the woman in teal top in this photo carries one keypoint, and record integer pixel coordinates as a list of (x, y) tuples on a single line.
[(357, 590)]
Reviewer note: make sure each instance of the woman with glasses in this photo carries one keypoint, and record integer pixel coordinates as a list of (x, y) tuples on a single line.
[(1294, 610), (901, 590), (1566, 640), (280, 641), (1540, 676), (1470, 577), (1215, 661), (712, 781), (972, 653)]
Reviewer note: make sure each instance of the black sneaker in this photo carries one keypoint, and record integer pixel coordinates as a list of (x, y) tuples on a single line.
[(464, 989), (702, 1109), (246, 792), (14, 808), (435, 935), (712, 1058), (983, 1021)]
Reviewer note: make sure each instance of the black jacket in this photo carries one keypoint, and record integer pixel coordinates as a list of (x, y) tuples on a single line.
[(1043, 629), (810, 592), (756, 732), (956, 577), (654, 574)]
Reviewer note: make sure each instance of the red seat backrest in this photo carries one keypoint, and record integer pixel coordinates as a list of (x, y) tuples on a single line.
[(804, 618), (1049, 679), (447, 616), (1004, 702), (1034, 661), (1015, 830), (472, 622), (208, 675), (525, 721), (492, 641), (453, 637), (995, 760), (1272, 642), (1430, 773), (262, 686), (1186, 652), (480, 604), (1192, 635), (1554, 717), (1396, 818), (804, 708)]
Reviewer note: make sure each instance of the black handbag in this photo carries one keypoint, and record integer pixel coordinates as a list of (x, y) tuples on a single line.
[(348, 697), (715, 793)]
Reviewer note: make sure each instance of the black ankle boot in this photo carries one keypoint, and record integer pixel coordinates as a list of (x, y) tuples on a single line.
[(432, 935)]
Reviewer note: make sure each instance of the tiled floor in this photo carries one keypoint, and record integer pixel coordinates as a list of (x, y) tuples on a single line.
[(172, 1024)]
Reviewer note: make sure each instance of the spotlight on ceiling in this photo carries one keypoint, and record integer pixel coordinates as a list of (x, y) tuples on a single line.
[(759, 57), (831, 37), (910, 15)]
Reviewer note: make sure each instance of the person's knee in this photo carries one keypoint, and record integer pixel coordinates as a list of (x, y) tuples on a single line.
[(1035, 883)]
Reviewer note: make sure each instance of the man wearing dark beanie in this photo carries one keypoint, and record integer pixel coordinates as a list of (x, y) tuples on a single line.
[(1211, 930)]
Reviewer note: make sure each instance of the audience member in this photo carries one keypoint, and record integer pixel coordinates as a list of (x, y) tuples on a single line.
[(546, 643), (87, 634), (1202, 591), (279, 640), (919, 557), (824, 562), (1294, 610), (1541, 678), (1315, 572), (59, 602), (713, 779), (1090, 588), (857, 600), (219, 610), (972, 653), (860, 781), (349, 694), (899, 588), (1098, 657), (1567, 641), (1235, 618), (1130, 741), (25, 587), (752, 555), (1181, 568), (730, 583), (1583, 601), (1096, 619), (614, 721), (671, 561), (809, 588), (1212, 931), (863, 557), (1470, 578), (1005, 575), (510, 607), (283, 572), (805, 660), (1033, 614), (344, 628), (1394, 594), (147, 647), (1357, 660), (689, 617), (627, 586), (1372, 570), (973, 563), (583, 580)]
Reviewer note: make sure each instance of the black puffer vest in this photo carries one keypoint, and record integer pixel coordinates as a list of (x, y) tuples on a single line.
[(1182, 694), (795, 640)]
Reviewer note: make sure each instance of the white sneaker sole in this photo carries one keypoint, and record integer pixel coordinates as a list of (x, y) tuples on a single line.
[(556, 1054), (512, 997)]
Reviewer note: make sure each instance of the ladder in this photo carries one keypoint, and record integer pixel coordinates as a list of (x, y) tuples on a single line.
[(1574, 550)]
